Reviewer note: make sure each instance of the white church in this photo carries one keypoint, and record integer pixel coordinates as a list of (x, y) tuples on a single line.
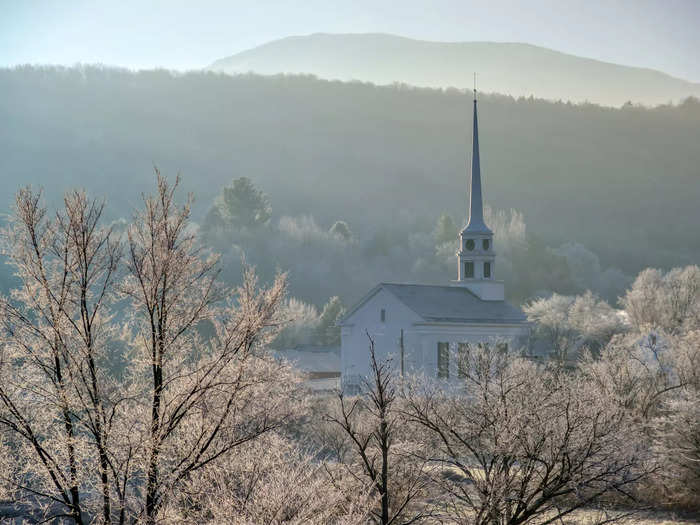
[(422, 326)]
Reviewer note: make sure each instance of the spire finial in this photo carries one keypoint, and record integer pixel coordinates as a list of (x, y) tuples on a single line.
[(475, 85)]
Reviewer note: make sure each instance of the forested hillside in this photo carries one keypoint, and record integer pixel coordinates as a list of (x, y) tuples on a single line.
[(386, 160)]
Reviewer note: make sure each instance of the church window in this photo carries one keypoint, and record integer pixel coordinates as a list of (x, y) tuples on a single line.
[(462, 359), (469, 245), (382, 315), (486, 244), (469, 269), (487, 270), (443, 360)]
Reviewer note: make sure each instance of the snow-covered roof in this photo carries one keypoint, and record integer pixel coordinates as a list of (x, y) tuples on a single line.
[(446, 304)]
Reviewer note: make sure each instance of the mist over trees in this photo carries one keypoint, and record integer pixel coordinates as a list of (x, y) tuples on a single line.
[(386, 160), (337, 266)]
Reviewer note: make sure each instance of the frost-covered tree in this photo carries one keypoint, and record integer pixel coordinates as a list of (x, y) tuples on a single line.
[(676, 439), (375, 448), (564, 324), (595, 320), (197, 400), (635, 371), (270, 480), (670, 302), (514, 443), (300, 321), (655, 377), (58, 399), (89, 440), (552, 325)]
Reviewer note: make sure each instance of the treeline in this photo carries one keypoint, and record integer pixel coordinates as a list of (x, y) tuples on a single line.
[(204, 425), (622, 182)]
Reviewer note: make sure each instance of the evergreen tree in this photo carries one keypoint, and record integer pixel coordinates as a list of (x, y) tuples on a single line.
[(327, 332), (242, 205)]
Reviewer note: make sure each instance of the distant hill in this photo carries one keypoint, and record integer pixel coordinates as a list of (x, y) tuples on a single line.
[(508, 68)]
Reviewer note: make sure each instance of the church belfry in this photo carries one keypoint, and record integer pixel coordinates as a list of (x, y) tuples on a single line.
[(476, 259)]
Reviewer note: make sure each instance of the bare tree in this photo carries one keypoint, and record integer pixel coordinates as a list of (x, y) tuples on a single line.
[(95, 261), (202, 397), (95, 442), (376, 453), (518, 444), (56, 399)]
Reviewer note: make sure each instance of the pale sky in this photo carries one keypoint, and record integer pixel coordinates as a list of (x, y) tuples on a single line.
[(177, 34)]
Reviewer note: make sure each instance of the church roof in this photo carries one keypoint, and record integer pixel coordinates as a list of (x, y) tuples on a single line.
[(447, 304)]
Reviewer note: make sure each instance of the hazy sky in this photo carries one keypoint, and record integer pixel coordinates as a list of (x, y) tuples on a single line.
[(661, 34)]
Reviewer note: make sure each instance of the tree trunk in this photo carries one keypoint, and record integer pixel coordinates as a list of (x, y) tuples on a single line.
[(68, 423), (152, 481), (385, 472)]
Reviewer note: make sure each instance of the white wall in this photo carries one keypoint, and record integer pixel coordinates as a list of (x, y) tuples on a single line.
[(420, 338), (429, 335), (354, 353)]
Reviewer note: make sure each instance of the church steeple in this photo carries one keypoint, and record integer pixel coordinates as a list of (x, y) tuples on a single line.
[(476, 260), (475, 222)]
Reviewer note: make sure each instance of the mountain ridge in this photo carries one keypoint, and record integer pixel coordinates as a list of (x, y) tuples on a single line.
[(512, 68)]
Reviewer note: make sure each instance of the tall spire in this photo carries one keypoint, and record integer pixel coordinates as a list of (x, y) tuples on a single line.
[(475, 223), (476, 260)]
